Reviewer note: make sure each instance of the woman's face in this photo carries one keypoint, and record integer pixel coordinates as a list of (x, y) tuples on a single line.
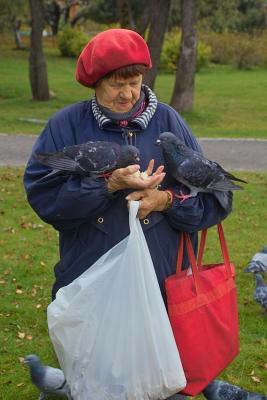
[(119, 94)]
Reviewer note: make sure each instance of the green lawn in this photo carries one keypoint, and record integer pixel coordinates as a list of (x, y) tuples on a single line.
[(228, 102), (29, 250)]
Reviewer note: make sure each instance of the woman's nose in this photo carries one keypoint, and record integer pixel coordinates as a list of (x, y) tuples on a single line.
[(126, 92)]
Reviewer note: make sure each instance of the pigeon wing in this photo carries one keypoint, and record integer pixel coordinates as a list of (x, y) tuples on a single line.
[(94, 157), (204, 174), (196, 171), (53, 379)]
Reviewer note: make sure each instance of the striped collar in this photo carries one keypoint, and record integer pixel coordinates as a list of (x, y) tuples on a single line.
[(142, 120)]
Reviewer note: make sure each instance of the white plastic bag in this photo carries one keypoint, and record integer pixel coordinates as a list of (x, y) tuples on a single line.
[(110, 328)]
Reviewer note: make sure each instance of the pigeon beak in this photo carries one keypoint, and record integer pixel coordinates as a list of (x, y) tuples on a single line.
[(137, 158), (158, 142)]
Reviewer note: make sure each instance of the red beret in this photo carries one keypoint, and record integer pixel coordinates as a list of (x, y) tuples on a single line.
[(108, 51)]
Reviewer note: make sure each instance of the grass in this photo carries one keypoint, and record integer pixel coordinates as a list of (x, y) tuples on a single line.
[(228, 102), (29, 250)]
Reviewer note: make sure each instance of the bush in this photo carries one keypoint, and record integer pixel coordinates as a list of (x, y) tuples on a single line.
[(71, 41), (239, 49), (170, 52)]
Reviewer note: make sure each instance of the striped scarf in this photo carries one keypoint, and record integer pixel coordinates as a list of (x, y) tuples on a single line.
[(142, 117)]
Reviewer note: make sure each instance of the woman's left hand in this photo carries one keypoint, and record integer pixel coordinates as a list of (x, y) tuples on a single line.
[(149, 200)]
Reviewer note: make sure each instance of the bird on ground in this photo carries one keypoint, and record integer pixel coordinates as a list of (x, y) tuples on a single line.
[(48, 379), (91, 158), (258, 262), (260, 292), (196, 172), (220, 390)]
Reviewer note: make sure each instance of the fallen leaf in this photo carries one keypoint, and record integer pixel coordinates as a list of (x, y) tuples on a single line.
[(20, 384), (19, 291), (255, 379), (21, 335), (29, 337)]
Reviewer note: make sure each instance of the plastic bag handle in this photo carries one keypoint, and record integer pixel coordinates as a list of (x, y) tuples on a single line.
[(133, 210)]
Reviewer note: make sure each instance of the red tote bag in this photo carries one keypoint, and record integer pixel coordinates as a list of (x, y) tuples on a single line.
[(202, 309)]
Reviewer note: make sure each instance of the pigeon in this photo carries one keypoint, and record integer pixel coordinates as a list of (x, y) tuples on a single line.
[(91, 158), (258, 262), (260, 292), (220, 390), (48, 379), (196, 172)]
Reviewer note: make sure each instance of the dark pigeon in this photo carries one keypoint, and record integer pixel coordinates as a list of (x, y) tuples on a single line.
[(258, 262), (260, 292), (91, 158), (220, 390), (48, 379), (196, 172)]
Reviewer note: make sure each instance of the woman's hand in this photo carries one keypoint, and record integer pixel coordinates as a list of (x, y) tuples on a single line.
[(149, 200), (128, 178)]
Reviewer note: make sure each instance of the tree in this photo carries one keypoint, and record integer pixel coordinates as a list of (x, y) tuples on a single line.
[(37, 62), (156, 37), (183, 94)]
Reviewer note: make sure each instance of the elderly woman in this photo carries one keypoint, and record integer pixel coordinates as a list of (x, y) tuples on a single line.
[(91, 213)]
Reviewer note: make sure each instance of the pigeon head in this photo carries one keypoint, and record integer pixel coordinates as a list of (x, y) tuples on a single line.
[(32, 360), (168, 139), (129, 155)]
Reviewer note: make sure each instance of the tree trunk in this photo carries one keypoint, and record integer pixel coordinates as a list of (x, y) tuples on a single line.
[(144, 19), (37, 63), (183, 94), (156, 37)]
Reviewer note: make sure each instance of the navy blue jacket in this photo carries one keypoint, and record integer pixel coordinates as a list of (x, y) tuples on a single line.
[(90, 220)]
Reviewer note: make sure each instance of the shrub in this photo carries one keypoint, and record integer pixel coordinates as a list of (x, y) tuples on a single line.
[(71, 41), (239, 49), (170, 52)]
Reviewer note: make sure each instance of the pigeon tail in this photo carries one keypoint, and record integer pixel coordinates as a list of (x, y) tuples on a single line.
[(225, 199), (58, 161)]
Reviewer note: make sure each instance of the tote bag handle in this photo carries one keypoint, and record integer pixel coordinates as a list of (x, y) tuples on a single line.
[(185, 237)]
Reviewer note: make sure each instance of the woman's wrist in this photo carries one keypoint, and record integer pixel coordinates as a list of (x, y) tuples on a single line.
[(169, 200)]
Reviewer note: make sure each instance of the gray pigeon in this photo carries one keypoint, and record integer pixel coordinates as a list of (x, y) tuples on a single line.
[(260, 292), (220, 390), (258, 262), (90, 158), (196, 172), (48, 379)]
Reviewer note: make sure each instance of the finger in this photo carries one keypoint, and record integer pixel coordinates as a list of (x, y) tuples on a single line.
[(138, 195), (131, 169), (154, 180), (150, 167), (159, 170)]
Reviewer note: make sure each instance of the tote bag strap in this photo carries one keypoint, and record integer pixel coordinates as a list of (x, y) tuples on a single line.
[(186, 240), (224, 248)]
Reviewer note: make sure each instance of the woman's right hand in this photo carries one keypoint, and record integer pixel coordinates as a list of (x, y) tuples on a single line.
[(127, 178)]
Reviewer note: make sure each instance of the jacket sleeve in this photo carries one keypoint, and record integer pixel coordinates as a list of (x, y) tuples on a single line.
[(62, 201), (198, 212)]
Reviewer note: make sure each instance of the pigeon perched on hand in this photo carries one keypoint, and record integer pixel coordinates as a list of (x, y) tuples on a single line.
[(220, 390), (258, 262), (260, 292), (196, 172), (91, 158), (48, 379)]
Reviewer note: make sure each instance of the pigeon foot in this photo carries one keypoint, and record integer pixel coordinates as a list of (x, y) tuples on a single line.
[(182, 197)]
